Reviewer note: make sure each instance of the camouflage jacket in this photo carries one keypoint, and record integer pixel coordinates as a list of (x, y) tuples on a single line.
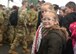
[(32, 17), (22, 19), (1, 16)]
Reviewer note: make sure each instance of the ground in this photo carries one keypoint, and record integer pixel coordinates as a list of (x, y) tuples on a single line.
[(5, 48)]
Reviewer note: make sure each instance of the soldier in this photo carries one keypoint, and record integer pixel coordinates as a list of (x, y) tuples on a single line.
[(1, 24), (31, 24), (6, 21), (21, 30), (13, 18)]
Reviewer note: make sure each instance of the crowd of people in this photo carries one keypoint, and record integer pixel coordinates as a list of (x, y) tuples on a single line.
[(39, 29)]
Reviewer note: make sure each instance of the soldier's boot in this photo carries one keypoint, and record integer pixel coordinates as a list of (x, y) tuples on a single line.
[(26, 51), (12, 52)]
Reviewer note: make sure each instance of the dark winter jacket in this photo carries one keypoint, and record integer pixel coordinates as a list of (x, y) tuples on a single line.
[(13, 18), (52, 43)]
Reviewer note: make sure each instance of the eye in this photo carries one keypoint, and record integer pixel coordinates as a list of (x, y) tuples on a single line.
[(43, 19), (49, 19), (42, 11)]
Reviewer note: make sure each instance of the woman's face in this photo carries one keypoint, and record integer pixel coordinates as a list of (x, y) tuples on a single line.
[(48, 20), (45, 9), (68, 10), (61, 12)]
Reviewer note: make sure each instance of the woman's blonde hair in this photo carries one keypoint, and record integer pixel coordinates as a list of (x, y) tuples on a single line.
[(49, 4), (57, 26), (55, 15)]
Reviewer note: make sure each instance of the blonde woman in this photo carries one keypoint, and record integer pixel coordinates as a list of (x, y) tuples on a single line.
[(50, 38)]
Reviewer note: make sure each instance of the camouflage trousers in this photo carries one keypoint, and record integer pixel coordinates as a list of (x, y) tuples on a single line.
[(1, 33), (20, 38), (11, 34), (30, 36), (31, 31)]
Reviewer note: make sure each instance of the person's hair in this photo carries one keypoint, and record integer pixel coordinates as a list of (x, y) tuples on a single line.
[(56, 7), (56, 26), (15, 7), (62, 8), (71, 5), (55, 16), (52, 10), (51, 7), (1, 5), (41, 1)]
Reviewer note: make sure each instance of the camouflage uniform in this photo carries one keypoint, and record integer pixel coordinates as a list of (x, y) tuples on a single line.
[(11, 33), (21, 32), (11, 28), (6, 21), (1, 25), (31, 25)]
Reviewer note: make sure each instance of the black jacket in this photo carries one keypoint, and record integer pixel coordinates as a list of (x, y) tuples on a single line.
[(13, 18), (68, 19)]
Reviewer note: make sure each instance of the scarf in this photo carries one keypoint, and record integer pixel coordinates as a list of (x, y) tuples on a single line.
[(37, 40)]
